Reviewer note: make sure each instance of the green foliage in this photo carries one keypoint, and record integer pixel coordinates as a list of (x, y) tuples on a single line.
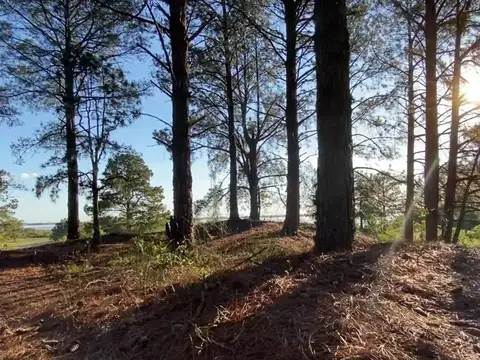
[(78, 268), (157, 253), (258, 112), (59, 231), (470, 238), (35, 233), (10, 227), (152, 262), (378, 198), (109, 224), (270, 250), (7, 184), (210, 204), (392, 230), (33, 38), (379, 204), (86, 229), (128, 196), (35, 49)]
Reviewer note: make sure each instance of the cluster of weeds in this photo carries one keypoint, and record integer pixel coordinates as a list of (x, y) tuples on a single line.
[(78, 268), (470, 238), (123, 261), (154, 264), (158, 254), (263, 252)]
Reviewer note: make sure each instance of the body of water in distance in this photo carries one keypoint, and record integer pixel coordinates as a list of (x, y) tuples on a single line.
[(303, 219)]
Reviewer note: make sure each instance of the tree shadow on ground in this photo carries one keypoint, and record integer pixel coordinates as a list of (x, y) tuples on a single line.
[(466, 296), (423, 349), (57, 253), (209, 230), (285, 308)]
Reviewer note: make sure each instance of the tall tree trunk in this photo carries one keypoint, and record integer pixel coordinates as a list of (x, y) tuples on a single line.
[(449, 206), (463, 206), (253, 186), (335, 211), (362, 221), (73, 218), (128, 215), (182, 174), (408, 227), (95, 210), (234, 215), (72, 171), (431, 175), (292, 218), (252, 146)]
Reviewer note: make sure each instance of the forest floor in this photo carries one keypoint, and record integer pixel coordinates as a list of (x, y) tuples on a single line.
[(251, 295)]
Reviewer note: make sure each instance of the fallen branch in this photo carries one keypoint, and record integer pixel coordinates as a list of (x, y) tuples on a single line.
[(249, 258)]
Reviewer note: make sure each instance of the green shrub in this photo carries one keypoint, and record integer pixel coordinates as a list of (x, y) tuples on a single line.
[(78, 268), (35, 233), (158, 254), (10, 227), (470, 238), (59, 231)]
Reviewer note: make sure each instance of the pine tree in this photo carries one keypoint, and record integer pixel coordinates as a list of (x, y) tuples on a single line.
[(49, 48), (335, 223)]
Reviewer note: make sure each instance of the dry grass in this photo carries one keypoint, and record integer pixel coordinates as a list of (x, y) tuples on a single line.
[(253, 295)]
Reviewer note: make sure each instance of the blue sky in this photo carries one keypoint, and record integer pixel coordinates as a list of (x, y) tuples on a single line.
[(139, 136)]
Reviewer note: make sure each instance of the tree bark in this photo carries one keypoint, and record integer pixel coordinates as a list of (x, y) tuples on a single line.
[(234, 215), (253, 185), (95, 210), (292, 218), (128, 214), (449, 206), (463, 206), (408, 227), (431, 175), (335, 212), (181, 152), (362, 221), (73, 218), (253, 181)]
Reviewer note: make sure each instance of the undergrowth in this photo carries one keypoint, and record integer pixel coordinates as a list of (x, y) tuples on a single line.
[(74, 268), (154, 264), (470, 238)]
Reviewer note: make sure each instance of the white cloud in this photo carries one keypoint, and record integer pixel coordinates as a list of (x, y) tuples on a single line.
[(26, 176)]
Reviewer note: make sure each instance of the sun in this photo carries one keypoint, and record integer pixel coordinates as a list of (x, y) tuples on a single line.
[(470, 88)]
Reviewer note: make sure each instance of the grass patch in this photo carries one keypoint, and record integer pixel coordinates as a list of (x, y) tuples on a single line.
[(267, 250), (153, 265), (78, 268), (23, 242)]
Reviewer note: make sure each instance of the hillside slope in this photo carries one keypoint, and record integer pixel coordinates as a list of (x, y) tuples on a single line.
[(253, 295)]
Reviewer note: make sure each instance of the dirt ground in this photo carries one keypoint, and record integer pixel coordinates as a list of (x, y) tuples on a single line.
[(256, 296)]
